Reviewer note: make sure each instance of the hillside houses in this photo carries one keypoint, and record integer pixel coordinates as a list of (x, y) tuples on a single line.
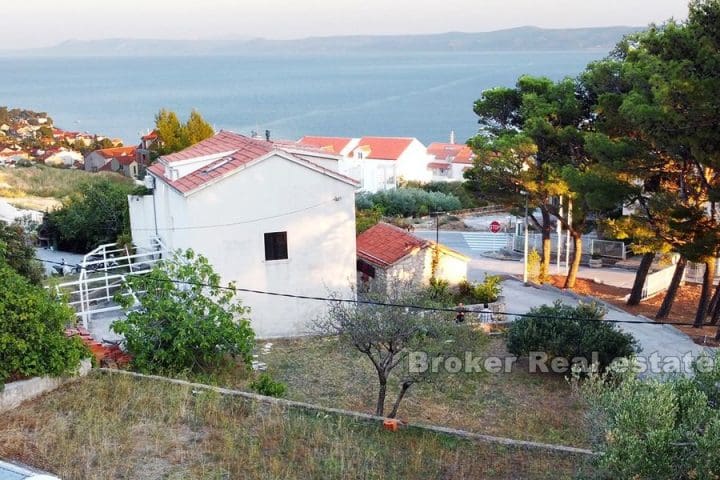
[(271, 217), (383, 163), (117, 159)]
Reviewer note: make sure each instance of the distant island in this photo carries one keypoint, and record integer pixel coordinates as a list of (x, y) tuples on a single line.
[(514, 39)]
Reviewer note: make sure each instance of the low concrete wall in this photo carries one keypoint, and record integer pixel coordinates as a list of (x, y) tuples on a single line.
[(16, 393), (283, 403)]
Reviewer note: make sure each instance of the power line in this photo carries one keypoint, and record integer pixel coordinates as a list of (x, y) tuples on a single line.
[(388, 304), (241, 222)]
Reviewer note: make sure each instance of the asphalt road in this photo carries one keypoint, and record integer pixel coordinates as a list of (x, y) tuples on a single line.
[(474, 244)]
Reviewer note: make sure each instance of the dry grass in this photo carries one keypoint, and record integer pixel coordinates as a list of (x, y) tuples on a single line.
[(32, 202), (41, 181), (519, 405), (107, 426)]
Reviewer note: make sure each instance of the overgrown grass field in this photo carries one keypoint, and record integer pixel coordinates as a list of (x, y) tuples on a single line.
[(42, 181), (521, 405), (112, 426)]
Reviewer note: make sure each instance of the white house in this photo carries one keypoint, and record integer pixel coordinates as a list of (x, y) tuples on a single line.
[(64, 157), (450, 161), (388, 254), (269, 217), (379, 163), (115, 159)]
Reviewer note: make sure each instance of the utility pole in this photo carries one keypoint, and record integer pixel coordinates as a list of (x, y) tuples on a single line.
[(559, 236), (567, 245), (525, 250)]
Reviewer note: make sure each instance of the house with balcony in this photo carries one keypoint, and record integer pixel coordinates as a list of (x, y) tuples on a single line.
[(449, 161), (379, 163), (273, 217)]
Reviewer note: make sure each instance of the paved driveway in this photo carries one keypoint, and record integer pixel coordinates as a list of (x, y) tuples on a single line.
[(658, 342)]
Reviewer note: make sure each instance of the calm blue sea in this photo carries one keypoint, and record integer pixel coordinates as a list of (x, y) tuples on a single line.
[(423, 95)]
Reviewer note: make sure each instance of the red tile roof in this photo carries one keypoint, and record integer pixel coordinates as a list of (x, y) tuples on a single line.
[(117, 152), (241, 150), (451, 152), (150, 136), (383, 148), (221, 142), (385, 244), (330, 144)]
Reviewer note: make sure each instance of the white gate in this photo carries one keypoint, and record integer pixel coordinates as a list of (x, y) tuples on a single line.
[(102, 273)]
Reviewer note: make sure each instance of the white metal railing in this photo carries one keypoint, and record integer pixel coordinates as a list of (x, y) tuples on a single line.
[(102, 274), (591, 246)]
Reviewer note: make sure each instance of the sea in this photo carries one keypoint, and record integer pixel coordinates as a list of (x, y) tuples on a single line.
[(418, 94)]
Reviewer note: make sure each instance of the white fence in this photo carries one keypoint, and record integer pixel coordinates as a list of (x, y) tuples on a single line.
[(591, 246), (102, 274)]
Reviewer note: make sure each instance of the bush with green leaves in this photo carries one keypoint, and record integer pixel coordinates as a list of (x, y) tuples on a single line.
[(656, 428), (265, 385), (32, 338), (186, 320), (98, 213), (569, 332), (456, 189), (407, 202), (18, 252), (487, 291)]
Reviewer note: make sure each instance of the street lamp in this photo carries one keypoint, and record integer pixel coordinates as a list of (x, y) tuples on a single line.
[(436, 250), (525, 250)]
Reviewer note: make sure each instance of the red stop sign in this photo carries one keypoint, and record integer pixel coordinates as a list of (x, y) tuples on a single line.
[(495, 226)]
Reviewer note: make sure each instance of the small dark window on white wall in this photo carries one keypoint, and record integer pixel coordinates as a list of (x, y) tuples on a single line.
[(276, 246)]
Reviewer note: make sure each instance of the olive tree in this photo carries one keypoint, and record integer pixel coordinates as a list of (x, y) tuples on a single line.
[(399, 342)]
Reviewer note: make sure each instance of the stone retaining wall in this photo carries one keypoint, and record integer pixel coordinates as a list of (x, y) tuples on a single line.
[(16, 393)]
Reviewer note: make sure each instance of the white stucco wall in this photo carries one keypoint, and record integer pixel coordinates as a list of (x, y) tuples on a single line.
[(270, 196), (412, 163)]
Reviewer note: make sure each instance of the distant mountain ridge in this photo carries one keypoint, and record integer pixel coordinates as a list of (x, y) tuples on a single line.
[(513, 39)]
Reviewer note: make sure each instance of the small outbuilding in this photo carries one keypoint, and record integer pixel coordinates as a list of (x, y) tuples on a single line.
[(388, 254)]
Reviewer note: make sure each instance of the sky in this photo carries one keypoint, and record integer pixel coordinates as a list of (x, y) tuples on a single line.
[(36, 23)]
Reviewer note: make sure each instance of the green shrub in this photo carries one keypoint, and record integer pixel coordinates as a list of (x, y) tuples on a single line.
[(456, 189), (407, 202), (182, 325), (32, 338), (662, 429), (486, 292), (439, 290), (98, 213), (18, 252), (489, 290), (365, 219), (570, 332), (265, 385)]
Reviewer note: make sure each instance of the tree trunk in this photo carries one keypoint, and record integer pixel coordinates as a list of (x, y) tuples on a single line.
[(713, 307), (546, 246), (640, 277), (715, 313), (708, 279), (672, 290), (380, 407), (403, 390), (575, 265)]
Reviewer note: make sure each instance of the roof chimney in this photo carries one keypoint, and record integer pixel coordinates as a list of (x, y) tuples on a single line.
[(452, 137)]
